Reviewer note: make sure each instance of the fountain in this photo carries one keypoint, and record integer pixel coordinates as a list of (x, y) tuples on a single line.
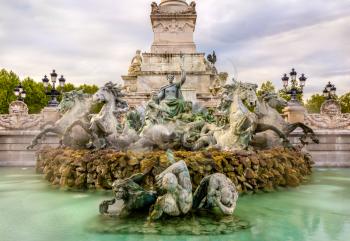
[(153, 155), (176, 147)]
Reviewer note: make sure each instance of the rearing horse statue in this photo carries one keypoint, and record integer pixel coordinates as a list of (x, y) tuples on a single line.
[(268, 115), (104, 124), (241, 126), (75, 105)]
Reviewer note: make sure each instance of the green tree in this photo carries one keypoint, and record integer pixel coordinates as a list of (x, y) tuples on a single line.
[(313, 105), (66, 88), (36, 98), (88, 89), (344, 101), (266, 87), (282, 93), (8, 82)]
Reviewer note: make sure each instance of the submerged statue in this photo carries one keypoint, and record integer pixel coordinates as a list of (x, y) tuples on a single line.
[(128, 197), (174, 194), (216, 190), (176, 188)]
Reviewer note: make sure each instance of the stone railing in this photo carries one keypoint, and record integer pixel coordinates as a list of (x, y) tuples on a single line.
[(333, 130), (18, 128)]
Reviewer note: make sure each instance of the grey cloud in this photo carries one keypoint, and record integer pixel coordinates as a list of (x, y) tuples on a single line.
[(93, 41)]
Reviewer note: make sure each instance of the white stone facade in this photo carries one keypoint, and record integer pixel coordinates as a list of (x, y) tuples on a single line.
[(173, 23)]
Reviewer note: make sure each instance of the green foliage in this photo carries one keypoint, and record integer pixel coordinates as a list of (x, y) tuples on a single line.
[(266, 87), (88, 89), (36, 98), (282, 93), (313, 105), (96, 108), (344, 101), (8, 82), (66, 88)]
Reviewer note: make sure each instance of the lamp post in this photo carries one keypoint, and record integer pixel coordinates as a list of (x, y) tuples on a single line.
[(53, 93), (329, 91), (19, 92), (295, 87)]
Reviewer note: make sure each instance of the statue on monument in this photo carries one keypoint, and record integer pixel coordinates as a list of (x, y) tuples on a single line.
[(136, 62), (155, 8), (170, 97)]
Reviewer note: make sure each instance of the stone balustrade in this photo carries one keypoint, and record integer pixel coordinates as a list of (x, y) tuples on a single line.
[(332, 129), (17, 130)]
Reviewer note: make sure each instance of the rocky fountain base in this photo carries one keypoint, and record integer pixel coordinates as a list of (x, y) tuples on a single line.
[(249, 171)]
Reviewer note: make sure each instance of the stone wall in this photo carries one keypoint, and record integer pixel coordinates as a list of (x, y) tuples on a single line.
[(18, 128), (13, 145), (333, 150), (249, 171)]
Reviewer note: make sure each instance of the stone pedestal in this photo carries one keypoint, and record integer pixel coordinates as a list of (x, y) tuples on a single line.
[(50, 114), (294, 113), (173, 24)]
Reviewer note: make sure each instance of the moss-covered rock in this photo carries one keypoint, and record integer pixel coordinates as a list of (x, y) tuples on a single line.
[(249, 171)]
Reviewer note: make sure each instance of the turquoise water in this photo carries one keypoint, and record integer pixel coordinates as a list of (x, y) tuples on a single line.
[(30, 210)]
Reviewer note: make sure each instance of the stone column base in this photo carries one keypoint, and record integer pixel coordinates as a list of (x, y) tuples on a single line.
[(294, 113)]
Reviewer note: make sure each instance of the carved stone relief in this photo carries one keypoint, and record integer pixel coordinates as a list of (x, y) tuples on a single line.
[(19, 119), (330, 117), (173, 27)]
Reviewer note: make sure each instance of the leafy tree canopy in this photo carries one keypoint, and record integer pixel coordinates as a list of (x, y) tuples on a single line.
[(266, 87), (313, 105), (8, 81), (344, 101), (36, 98)]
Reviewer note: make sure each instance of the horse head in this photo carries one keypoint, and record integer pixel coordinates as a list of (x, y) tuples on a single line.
[(274, 100), (246, 92), (69, 99), (107, 93)]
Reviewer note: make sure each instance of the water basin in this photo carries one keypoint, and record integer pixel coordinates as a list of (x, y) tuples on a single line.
[(31, 210)]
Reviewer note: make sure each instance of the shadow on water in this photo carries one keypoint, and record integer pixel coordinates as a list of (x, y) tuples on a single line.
[(199, 223)]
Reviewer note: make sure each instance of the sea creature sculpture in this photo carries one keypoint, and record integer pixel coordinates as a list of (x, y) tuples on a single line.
[(75, 105), (216, 190), (176, 188), (128, 197)]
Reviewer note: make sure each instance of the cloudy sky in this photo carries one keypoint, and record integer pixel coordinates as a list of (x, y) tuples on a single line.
[(93, 41)]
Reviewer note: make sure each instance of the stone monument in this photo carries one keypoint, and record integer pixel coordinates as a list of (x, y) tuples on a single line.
[(173, 23)]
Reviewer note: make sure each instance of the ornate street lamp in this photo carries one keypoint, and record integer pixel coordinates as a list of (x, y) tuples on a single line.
[(295, 87), (53, 93), (329, 91), (19, 92)]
